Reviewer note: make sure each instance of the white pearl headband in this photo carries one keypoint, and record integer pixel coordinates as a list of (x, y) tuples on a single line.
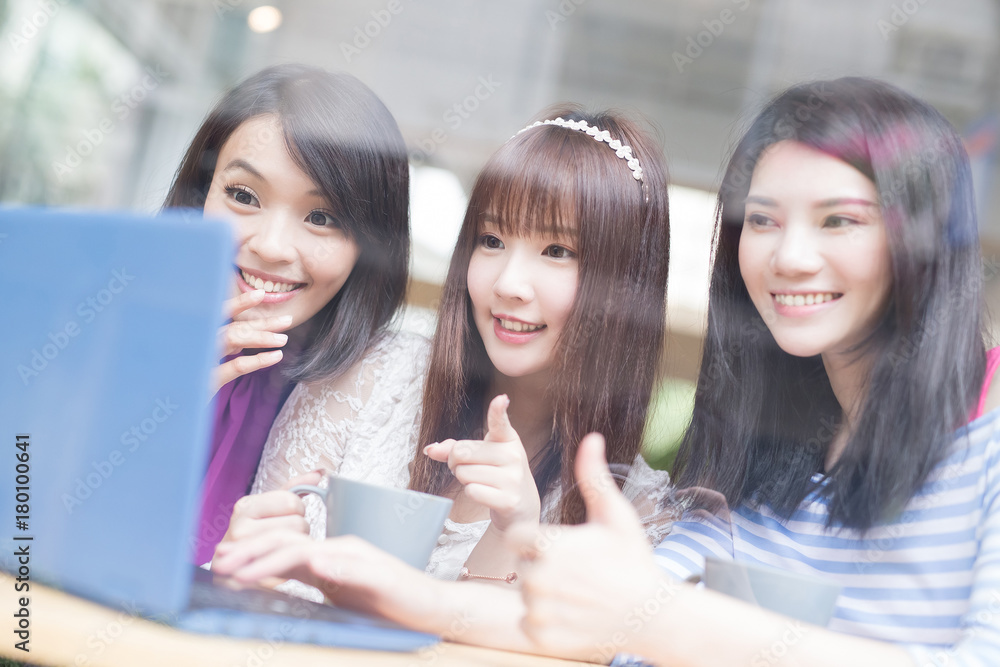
[(621, 150)]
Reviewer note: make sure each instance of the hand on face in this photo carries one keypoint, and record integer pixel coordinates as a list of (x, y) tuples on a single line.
[(494, 471), (294, 252), (240, 334), (582, 585)]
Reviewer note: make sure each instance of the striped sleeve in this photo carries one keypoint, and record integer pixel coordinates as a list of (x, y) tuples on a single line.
[(682, 553), (979, 643)]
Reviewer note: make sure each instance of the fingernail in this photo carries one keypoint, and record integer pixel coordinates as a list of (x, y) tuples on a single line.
[(429, 446), (273, 355), (281, 338)]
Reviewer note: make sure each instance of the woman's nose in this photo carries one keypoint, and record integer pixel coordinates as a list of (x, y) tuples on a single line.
[(514, 280), (797, 252), (270, 239)]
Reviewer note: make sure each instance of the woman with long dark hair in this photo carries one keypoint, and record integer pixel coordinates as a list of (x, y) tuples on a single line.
[(311, 170), (844, 410)]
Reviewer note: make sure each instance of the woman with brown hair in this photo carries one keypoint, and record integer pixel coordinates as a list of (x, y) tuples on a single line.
[(556, 298)]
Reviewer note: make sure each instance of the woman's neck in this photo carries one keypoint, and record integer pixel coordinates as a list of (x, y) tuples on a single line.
[(849, 374), (531, 408)]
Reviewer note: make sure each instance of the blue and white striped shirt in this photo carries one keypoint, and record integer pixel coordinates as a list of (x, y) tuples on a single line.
[(930, 580)]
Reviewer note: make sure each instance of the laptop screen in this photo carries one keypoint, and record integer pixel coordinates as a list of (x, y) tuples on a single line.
[(109, 342)]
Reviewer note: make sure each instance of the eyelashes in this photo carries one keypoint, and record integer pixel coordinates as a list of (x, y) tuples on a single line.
[(317, 217)]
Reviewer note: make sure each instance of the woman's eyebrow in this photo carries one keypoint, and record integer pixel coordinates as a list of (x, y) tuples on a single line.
[(240, 163), (763, 201), (840, 201)]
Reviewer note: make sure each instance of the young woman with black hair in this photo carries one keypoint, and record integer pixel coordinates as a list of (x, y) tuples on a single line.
[(844, 412), (311, 170)]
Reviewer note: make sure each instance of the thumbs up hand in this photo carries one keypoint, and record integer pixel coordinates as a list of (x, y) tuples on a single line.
[(494, 471), (588, 590)]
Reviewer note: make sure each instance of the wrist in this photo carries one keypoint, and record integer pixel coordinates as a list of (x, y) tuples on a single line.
[(662, 620)]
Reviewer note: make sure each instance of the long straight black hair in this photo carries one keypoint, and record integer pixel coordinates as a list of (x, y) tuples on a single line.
[(764, 419), (342, 136)]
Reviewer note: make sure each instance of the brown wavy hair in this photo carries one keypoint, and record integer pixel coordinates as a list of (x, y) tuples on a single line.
[(553, 179)]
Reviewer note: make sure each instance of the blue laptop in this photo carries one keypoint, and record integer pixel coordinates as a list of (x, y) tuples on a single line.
[(109, 340)]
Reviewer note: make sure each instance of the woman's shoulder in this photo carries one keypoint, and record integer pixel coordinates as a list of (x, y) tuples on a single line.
[(394, 356)]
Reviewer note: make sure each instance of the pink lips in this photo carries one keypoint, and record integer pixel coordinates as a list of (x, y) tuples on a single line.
[(514, 337), (269, 297)]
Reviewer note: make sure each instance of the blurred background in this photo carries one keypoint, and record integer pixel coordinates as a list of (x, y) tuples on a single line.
[(99, 98)]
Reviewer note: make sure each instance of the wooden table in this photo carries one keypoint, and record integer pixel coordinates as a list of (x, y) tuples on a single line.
[(73, 632)]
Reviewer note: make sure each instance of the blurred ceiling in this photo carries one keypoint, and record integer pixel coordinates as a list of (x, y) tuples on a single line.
[(461, 77)]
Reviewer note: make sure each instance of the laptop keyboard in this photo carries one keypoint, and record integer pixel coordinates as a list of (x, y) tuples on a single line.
[(210, 591)]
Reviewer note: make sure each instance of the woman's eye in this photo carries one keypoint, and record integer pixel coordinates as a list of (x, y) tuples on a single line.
[(490, 242), (559, 252), (837, 221), (757, 220), (241, 196), (322, 219)]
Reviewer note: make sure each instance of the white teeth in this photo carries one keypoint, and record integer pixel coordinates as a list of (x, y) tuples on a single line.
[(804, 299), (519, 327), (268, 286)]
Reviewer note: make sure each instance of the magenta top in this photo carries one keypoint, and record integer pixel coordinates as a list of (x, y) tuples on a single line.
[(992, 363), (244, 411)]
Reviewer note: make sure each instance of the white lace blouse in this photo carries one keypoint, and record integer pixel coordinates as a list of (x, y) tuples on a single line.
[(364, 426)]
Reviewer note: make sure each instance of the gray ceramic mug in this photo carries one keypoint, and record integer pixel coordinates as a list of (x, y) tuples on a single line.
[(799, 596), (404, 523)]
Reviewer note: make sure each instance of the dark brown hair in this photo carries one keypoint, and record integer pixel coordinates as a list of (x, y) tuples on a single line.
[(764, 419), (556, 179), (342, 136)]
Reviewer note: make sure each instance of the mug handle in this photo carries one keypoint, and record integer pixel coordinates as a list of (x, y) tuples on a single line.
[(306, 489)]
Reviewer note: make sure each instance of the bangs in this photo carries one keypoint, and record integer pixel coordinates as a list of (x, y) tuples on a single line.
[(533, 186)]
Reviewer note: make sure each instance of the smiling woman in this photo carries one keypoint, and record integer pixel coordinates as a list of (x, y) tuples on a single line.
[(310, 169), (291, 245), (814, 253)]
